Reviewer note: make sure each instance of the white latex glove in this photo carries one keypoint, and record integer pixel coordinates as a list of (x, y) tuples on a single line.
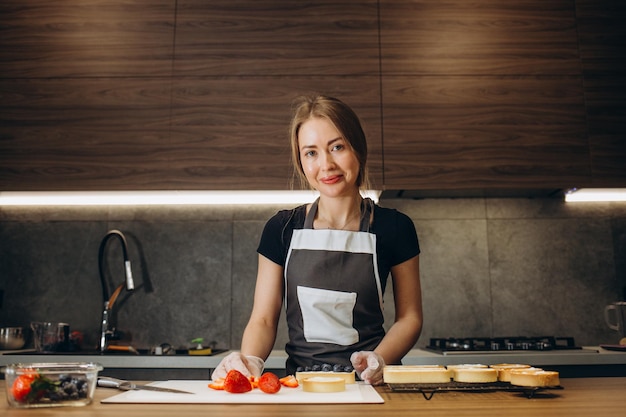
[(247, 365), (368, 366)]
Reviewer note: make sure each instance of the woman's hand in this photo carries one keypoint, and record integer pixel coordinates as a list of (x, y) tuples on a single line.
[(368, 366), (247, 365)]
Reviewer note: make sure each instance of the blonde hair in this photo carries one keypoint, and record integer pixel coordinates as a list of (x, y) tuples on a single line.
[(345, 121)]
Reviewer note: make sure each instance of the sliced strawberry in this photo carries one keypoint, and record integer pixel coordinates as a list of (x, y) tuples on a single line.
[(236, 382), (218, 384), (289, 381), (269, 383), (254, 381)]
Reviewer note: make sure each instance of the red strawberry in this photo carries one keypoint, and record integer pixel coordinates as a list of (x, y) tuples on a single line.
[(236, 382), (22, 387), (269, 383), (289, 381)]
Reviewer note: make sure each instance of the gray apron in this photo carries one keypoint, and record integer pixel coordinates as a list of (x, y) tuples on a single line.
[(334, 300)]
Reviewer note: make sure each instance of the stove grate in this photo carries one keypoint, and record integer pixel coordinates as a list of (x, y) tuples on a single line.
[(516, 343)]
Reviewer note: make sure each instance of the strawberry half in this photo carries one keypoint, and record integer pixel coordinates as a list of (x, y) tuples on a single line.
[(269, 383), (236, 382)]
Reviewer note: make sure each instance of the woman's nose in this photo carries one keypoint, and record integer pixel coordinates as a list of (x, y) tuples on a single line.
[(326, 160)]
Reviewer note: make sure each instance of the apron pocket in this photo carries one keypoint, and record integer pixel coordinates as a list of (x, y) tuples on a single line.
[(327, 316)]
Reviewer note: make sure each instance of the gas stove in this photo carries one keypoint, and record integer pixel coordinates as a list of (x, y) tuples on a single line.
[(501, 344)]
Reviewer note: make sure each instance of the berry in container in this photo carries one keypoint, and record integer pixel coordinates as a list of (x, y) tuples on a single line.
[(36, 385)]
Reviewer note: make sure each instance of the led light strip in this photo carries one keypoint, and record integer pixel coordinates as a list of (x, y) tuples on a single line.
[(595, 194), (139, 198)]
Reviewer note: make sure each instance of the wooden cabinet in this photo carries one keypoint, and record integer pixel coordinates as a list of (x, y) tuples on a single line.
[(483, 94), (85, 91), (603, 56), (159, 94), (191, 94)]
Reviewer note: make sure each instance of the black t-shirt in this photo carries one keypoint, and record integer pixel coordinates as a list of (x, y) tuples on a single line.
[(396, 238)]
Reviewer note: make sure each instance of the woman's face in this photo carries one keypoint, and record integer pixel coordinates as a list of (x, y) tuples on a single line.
[(328, 161)]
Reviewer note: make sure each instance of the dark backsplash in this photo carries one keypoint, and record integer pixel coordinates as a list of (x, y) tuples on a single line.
[(489, 267)]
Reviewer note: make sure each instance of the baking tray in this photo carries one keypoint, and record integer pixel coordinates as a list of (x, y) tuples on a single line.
[(428, 390)]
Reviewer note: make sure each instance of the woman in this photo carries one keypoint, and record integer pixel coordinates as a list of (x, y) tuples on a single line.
[(329, 260)]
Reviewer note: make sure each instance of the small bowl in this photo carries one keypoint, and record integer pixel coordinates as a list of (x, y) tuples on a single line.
[(12, 337), (57, 384)]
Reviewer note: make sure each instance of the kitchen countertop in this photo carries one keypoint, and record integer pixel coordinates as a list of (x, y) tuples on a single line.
[(579, 397), (118, 360), (588, 356)]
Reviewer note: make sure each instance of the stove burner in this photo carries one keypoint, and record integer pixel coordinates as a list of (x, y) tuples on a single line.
[(482, 344)]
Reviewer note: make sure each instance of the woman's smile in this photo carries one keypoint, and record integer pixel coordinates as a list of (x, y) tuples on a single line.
[(333, 179)]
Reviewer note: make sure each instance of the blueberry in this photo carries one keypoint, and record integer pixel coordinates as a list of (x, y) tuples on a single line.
[(327, 367), (348, 368), (69, 387), (56, 396)]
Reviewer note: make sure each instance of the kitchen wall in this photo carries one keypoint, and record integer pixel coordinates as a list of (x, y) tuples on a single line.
[(490, 267), (190, 94)]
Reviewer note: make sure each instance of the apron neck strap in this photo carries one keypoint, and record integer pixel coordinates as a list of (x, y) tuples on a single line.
[(366, 213)]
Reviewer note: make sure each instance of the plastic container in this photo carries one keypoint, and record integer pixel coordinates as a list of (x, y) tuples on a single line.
[(35, 385)]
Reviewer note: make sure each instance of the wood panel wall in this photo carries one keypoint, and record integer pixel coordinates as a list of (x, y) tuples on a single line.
[(86, 92), (193, 94), (602, 31), (482, 94), (165, 94)]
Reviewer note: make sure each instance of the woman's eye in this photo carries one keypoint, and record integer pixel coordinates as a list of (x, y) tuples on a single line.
[(338, 147), (309, 154)]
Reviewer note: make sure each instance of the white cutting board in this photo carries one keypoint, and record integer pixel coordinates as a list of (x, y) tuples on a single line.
[(201, 394)]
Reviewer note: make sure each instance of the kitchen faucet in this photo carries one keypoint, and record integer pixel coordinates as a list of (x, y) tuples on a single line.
[(109, 301)]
